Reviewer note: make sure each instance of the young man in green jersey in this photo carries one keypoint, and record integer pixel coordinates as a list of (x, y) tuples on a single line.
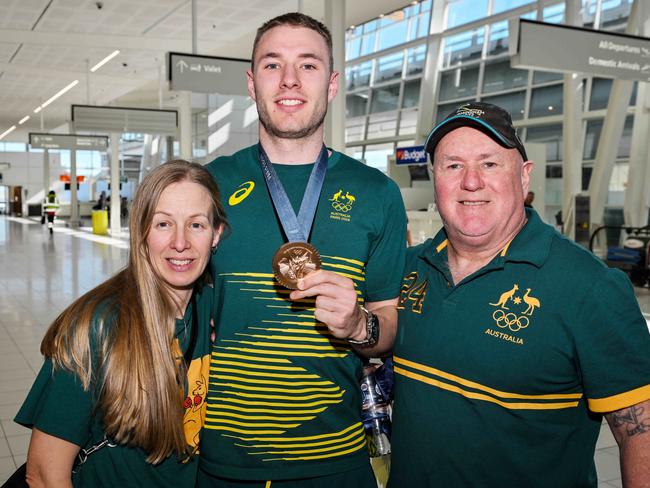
[(513, 342), (283, 401)]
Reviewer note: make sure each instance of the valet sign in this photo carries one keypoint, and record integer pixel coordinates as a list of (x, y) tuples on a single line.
[(405, 156)]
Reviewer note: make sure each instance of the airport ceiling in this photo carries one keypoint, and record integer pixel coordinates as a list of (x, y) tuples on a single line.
[(45, 45)]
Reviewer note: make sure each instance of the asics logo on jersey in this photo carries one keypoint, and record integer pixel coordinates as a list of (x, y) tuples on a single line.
[(241, 193)]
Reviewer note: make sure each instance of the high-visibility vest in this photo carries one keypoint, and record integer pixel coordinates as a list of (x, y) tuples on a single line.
[(51, 204)]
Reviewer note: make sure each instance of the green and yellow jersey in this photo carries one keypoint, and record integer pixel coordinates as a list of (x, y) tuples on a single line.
[(58, 405), (503, 378), (284, 397)]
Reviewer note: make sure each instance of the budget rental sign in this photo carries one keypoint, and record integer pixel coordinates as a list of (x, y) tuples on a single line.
[(410, 155)]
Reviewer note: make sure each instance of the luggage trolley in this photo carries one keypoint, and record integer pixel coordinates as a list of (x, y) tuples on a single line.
[(633, 257)]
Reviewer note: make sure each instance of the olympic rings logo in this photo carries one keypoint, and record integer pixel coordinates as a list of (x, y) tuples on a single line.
[(341, 207), (510, 320)]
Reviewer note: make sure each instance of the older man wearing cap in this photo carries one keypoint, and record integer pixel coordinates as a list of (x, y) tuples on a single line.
[(513, 341)]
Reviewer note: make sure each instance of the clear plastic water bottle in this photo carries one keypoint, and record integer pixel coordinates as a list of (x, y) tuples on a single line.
[(374, 413)]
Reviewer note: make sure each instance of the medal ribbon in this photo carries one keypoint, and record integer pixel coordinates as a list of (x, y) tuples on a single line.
[(297, 229)]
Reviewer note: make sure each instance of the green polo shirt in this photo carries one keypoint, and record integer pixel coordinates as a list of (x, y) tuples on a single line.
[(502, 380), (58, 405), (284, 395)]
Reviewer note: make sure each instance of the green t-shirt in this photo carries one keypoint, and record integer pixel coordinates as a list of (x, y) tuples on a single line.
[(502, 380), (58, 405), (284, 398)]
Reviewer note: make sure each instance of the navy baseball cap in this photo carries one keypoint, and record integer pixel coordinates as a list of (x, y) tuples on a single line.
[(489, 119)]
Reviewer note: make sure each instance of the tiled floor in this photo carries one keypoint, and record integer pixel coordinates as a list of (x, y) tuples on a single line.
[(40, 275)]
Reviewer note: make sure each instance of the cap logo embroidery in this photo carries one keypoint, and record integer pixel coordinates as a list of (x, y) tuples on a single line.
[(471, 112)]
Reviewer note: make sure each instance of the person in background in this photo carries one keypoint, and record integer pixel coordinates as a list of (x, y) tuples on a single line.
[(528, 201), (50, 208), (284, 403), (513, 341), (126, 365)]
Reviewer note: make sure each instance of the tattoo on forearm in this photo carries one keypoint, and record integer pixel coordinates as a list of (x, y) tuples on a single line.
[(634, 420)]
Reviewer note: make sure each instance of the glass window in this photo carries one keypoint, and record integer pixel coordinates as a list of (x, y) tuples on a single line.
[(384, 98), (368, 43), (463, 47), (355, 104), (382, 125), (358, 75), (411, 95), (500, 76), (353, 46), (464, 11), (626, 139), (376, 155), (424, 20), (554, 171), (458, 83), (512, 102), (13, 147), (389, 67), (498, 40), (600, 88), (551, 136), (547, 100), (594, 127), (589, 8), (540, 77), (415, 58), (355, 152), (446, 109), (408, 122), (554, 14), (503, 5), (393, 34), (355, 129), (614, 12)]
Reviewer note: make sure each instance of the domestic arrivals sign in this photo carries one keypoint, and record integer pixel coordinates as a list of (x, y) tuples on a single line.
[(410, 155), (553, 47), (207, 74), (68, 141)]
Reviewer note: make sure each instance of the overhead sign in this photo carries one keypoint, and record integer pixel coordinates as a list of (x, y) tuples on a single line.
[(207, 74), (124, 119), (68, 141), (410, 155), (567, 49)]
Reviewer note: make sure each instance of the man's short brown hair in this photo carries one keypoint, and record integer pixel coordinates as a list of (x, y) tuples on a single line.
[(295, 19)]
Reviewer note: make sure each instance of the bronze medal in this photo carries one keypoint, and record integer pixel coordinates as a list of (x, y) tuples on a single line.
[(293, 261)]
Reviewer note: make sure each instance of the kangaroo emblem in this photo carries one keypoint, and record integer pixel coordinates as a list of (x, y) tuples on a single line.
[(532, 302), (505, 296), (336, 196), (350, 198)]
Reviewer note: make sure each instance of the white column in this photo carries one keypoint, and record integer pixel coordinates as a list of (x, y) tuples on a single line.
[(619, 99), (115, 224), (335, 120), (185, 124), (428, 86), (74, 202), (637, 192), (572, 133), (46, 172)]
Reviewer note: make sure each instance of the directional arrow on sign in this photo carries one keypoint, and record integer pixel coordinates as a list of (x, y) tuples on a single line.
[(182, 65)]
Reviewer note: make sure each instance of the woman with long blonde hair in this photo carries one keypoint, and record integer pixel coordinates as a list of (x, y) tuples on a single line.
[(124, 381)]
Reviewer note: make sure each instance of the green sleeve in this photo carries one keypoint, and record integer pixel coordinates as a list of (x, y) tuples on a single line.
[(386, 258), (613, 345), (58, 405)]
